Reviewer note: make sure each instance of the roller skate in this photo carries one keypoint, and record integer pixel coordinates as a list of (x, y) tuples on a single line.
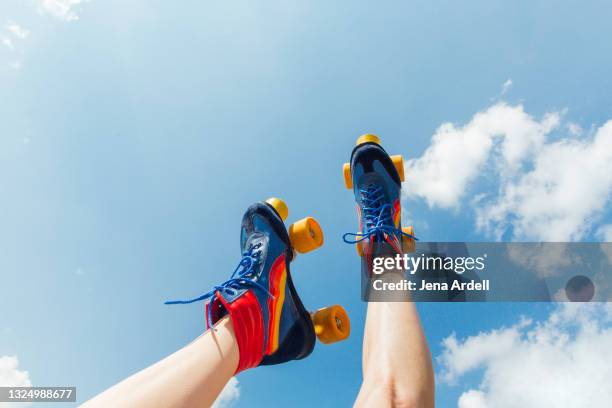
[(270, 322), (375, 178)]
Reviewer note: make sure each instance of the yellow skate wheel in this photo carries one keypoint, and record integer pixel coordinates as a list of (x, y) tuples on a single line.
[(408, 244), (279, 206), (331, 324), (306, 235), (398, 162), (348, 178), (359, 246), (368, 137)]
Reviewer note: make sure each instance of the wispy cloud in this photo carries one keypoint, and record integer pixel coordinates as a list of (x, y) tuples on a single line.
[(506, 86), (543, 188), (10, 35), (62, 9), (8, 43), (563, 361), (17, 30), (574, 129)]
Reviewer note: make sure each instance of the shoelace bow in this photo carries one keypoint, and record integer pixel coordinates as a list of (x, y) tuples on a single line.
[(377, 217), (241, 278)]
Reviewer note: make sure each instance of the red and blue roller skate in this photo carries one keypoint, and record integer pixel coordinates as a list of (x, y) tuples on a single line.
[(375, 178), (270, 322)]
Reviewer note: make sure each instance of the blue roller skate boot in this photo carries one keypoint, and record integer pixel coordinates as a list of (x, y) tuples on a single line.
[(375, 178), (270, 322)]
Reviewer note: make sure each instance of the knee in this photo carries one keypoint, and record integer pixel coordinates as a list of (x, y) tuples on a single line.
[(402, 396)]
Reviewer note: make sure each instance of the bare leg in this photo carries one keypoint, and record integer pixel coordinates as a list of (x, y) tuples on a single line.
[(397, 367), (192, 377)]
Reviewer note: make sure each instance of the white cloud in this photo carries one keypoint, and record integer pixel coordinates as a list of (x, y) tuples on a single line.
[(13, 32), (62, 9), (574, 129), (229, 395), (605, 233), (546, 190), (17, 30), (506, 86), (457, 154), (10, 376), (460, 357), (472, 399), (560, 198), (563, 361), (8, 43)]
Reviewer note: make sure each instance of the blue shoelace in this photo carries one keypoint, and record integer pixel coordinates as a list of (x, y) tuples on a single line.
[(377, 217), (241, 278)]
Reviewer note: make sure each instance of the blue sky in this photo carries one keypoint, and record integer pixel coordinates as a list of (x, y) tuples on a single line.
[(134, 134)]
